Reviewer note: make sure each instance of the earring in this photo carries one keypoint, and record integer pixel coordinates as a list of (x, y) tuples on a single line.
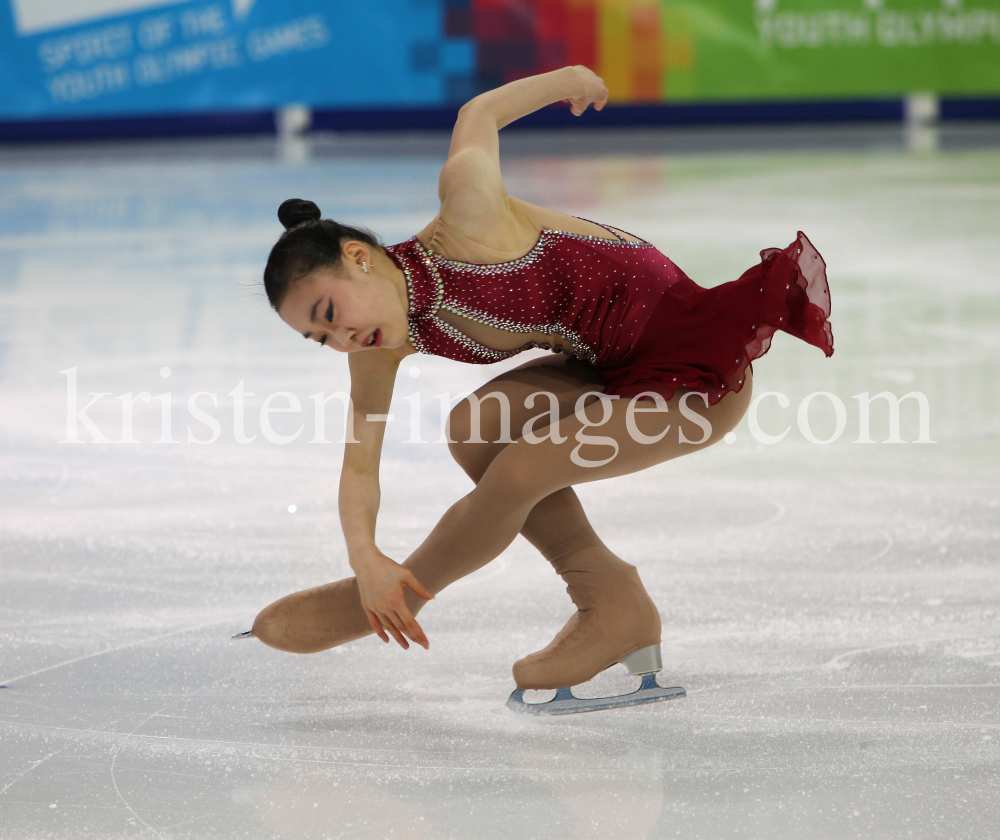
[(364, 265)]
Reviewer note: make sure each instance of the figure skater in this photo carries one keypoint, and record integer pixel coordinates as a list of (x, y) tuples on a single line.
[(647, 366)]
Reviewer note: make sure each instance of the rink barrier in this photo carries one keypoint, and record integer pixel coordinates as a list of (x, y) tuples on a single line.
[(689, 114), (442, 119), (129, 128), (970, 109)]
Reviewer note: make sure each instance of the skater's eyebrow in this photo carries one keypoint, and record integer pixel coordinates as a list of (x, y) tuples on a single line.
[(312, 316)]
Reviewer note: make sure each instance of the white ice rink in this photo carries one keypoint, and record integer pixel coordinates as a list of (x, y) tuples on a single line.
[(833, 610)]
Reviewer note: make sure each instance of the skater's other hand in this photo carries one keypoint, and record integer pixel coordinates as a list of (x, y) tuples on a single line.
[(591, 91), (381, 581)]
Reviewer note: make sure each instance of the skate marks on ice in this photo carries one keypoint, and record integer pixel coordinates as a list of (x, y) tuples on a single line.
[(30, 769), (418, 805), (117, 649), (844, 660)]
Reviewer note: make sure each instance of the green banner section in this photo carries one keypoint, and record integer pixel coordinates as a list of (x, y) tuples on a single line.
[(797, 49)]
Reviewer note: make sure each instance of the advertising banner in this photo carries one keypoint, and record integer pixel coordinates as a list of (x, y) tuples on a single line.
[(74, 58), (745, 50)]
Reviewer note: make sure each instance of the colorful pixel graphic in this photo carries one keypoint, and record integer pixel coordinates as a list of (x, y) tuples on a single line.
[(656, 50), (627, 42)]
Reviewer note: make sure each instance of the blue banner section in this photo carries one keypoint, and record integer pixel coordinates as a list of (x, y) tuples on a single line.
[(86, 58)]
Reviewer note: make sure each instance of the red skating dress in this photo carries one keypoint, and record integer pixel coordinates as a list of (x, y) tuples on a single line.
[(623, 307)]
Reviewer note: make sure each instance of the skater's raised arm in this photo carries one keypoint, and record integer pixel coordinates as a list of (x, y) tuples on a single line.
[(577, 85), (473, 198)]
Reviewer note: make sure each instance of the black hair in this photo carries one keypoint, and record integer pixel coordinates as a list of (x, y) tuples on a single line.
[(309, 242)]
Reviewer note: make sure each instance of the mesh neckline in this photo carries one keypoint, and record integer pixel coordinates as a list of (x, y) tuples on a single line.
[(532, 255), (431, 300)]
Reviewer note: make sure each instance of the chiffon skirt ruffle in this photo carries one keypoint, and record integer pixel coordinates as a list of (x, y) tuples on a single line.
[(704, 339)]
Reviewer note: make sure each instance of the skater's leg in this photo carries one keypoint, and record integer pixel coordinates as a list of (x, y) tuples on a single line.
[(557, 525), (615, 615), (600, 584), (482, 524)]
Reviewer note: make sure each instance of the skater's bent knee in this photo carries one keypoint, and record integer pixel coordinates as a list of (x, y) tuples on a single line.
[(518, 476), (476, 424)]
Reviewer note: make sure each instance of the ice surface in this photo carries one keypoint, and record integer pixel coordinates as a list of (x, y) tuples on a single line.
[(832, 610)]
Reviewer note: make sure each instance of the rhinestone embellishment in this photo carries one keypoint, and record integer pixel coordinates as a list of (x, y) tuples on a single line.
[(544, 269), (431, 260)]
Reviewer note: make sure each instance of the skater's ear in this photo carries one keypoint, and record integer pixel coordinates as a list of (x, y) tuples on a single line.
[(310, 243), (357, 253)]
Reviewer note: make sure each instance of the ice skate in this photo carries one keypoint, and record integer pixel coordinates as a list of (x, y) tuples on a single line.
[(312, 620), (616, 621), (645, 662), (317, 619)]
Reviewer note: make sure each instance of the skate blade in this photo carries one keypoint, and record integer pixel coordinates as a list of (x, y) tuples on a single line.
[(246, 634), (564, 703)]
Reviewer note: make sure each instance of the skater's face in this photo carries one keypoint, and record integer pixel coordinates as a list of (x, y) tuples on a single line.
[(348, 308)]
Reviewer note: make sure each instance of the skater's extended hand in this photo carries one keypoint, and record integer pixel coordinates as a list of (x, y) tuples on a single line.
[(381, 581), (592, 90)]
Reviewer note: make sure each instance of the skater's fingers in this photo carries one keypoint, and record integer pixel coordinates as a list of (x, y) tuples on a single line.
[(376, 625), (405, 624), (394, 630), (400, 615), (411, 628), (400, 639)]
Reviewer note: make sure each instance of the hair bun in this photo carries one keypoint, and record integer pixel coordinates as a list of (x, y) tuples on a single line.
[(295, 211)]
